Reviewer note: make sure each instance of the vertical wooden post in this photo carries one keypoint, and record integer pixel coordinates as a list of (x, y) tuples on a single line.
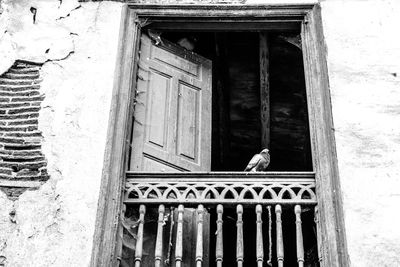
[(279, 235), (319, 238), (239, 236), (219, 250), (159, 239), (299, 236), (269, 261), (199, 238), (264, 91), (179, 237), (139, 240), (259, 238)]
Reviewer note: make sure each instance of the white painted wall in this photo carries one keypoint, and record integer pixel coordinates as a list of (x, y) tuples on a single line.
[(364, 68), (54, 225)]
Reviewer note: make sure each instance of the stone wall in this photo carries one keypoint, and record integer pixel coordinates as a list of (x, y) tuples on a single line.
[(22, 163), (76, 44)]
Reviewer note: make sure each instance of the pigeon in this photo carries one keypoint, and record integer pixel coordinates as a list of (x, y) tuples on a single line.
[(155, 36), (259, 162)]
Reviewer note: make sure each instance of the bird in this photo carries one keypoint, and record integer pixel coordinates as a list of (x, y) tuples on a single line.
[(155, 36), (259, 162)]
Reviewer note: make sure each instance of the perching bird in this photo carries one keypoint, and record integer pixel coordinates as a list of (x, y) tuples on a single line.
[(259, 162), (155, 36)]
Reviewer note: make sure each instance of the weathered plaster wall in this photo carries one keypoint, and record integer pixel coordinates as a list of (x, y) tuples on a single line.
[(53, 226), (77, 42), (364, 67)]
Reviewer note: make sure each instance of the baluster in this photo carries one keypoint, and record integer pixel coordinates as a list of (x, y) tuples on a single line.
[(239, 236), (299, 236), (269, 261), (219, 250), (279, 236), (171, 228), (319, 238), (260, 247), (199, 239), (159, 239), (139, 240), (179, 237)]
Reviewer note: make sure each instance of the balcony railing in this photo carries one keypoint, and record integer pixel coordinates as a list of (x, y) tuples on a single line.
[(269, 192)]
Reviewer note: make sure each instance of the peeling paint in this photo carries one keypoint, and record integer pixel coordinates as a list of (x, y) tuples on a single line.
[(54, 225)]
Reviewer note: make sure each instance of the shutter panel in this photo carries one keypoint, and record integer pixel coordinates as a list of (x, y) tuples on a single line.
[(172, 127), (172, 119)]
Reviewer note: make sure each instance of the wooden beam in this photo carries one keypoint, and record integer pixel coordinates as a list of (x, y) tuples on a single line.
[(223, 26), (323, 142), (264, 91)]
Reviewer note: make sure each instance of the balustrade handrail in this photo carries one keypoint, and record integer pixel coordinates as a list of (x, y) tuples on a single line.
[(221, 188), (222, 175), (259, 191)]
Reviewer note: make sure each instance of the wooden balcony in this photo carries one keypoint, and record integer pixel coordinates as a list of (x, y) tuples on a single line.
[(211, 196)]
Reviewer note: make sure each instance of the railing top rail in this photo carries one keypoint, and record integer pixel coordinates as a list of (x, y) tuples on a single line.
[(230, 175), (214, 188)]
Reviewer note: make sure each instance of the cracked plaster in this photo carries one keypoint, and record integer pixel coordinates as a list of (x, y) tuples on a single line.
[(54, 225)]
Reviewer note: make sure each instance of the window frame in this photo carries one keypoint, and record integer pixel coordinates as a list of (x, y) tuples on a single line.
[(134, 16)]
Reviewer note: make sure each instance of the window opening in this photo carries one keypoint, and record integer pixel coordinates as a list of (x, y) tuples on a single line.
[(236, 137), (236, 126)]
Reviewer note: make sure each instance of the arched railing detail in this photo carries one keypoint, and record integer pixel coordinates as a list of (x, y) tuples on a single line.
[(208, 188)]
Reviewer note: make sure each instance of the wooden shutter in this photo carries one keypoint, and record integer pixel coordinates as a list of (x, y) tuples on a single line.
[(172, 118), (172, 128)]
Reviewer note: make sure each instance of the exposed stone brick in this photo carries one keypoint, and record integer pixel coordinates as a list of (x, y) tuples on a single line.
[(19, 116), (23, 122), (21, 158), (22, 99), (27, 172), (15, 105), (19, 166), (19, 94), (26, 70), (39, 178), (33, 133), (21, 146), (18, 129), (22, 76), (35, 104), (12, 140), (18, 88), (23, 110), (19, 82), (21, 152)]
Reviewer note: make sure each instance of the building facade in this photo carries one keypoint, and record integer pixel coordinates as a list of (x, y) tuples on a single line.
[(64, 55)]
